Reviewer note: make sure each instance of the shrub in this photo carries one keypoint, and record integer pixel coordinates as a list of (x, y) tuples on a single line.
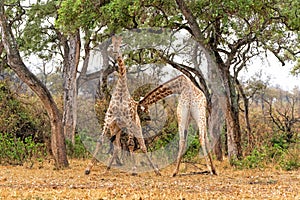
[(193, 145), (15, 151), (290, 160), (255, 160), (21, 119), (277, 152), (78, 150)]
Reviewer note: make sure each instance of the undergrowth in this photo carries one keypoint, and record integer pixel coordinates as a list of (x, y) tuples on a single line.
[(78, 149), (279, 153), (15, 151)]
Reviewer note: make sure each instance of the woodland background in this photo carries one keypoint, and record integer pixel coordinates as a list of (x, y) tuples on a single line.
[(38, 111)]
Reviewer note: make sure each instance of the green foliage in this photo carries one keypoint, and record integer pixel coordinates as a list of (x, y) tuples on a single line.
[(39, 37), (290, 161), (290, 10), (76, 14), (14, 118), (280, 154), (193, 146), (169, 139), (23, 128), (254, 160), (119, 14), (19, 119), (116, 15), (169, 132), (15, 151), (296, 68), (290, 156), (78, 150)]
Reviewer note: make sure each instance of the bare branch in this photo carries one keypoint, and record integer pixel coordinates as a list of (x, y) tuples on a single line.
[(273, 118)]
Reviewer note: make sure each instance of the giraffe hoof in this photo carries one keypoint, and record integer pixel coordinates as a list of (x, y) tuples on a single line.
[(157, 173), (87, 172), (213, 172), (174, 174), (134, 174)]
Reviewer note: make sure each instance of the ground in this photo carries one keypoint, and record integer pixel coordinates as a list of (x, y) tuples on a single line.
[(41, 181)]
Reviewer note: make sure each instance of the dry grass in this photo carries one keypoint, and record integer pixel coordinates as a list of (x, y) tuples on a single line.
[(18, 182)]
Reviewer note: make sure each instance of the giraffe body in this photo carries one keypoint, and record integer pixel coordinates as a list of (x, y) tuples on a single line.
[(122, 114), (191, 104)]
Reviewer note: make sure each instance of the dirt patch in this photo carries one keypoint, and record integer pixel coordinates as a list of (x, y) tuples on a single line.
[(19, 182)]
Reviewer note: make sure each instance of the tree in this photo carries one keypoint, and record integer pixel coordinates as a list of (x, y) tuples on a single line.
[(46, 38), (71, 55), (251, 91), (71, 39), (282, 110), (15, 62), (231, 32), (254, 26), (43, 39)]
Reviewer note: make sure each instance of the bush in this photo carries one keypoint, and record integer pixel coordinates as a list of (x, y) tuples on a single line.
[(22, 127), (21, 119), (78, 150), (193, 145), (290, 160), (277, 152), (15, 151), (255, 160)]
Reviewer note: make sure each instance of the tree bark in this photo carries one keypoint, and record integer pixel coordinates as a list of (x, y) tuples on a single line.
[(232, 115), (71, 60), (17, 65), (246, 115)]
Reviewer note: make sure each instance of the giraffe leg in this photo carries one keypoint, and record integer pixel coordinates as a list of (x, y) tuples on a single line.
[(144, 149), (137, 130), (94, 160), (117, 146), (124, 147), (182, 145), (183, 118), (112, 140), (118, 161), (199, 114), (209, 162), (130, 144)]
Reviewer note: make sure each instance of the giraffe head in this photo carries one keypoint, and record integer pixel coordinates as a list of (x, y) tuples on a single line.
[(143, 112), (116, 42)]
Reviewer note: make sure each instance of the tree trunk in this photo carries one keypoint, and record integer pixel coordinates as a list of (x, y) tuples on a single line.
[(234, 148), (233, 135), (214, 127), (232, 117), (71, 60), (246, 115), (218, 149), (15, 62)]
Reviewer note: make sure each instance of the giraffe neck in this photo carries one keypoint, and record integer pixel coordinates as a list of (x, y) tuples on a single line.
[(121, 66), (173, 86), (121, 91)]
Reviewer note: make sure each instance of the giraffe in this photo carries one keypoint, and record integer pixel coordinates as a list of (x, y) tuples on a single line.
[(192, 104), (121, 114)]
